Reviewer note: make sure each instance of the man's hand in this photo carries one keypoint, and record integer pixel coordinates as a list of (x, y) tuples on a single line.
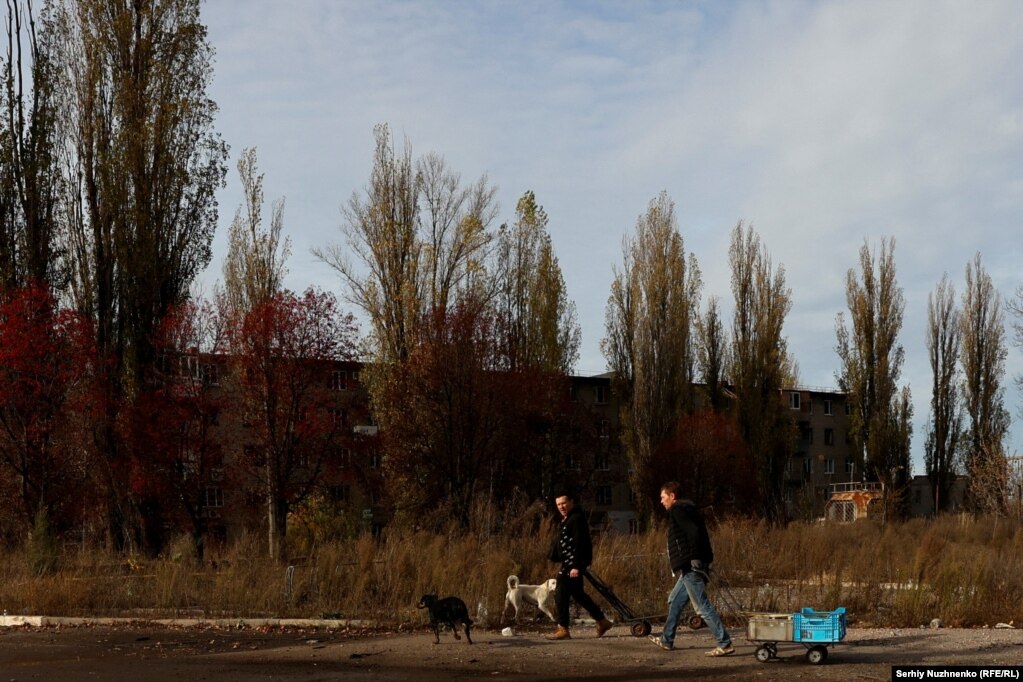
[(574, 573), (697, 565)]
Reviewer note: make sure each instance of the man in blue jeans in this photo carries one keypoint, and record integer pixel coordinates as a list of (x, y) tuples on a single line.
[(690, 556)]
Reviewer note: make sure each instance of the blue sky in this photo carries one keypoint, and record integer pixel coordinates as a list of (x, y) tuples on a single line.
[(822, 124)]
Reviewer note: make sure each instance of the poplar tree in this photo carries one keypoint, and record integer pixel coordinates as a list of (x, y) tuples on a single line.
[(254, 267), (29, 148), (983, 360), (538, 321), (759, 363), (872, 358), (943, 447), (141, 166), (649, 342)]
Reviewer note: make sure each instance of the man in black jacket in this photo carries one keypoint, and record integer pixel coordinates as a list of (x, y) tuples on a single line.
[(574, 549), (690, 556)]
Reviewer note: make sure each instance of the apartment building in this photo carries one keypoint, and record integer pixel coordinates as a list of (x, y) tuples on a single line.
[(822, 456), (351, 483)]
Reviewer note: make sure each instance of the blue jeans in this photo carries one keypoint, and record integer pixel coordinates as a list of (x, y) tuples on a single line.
[(690, 586)]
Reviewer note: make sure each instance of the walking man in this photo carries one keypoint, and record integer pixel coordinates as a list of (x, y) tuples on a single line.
[(574, 549), (690, 556)]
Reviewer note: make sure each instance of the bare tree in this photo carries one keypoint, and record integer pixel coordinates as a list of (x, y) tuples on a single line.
[(983, 359), (417, 236), (254, 268), (872, 358), (942, 449), (649, 342), (759, 365)]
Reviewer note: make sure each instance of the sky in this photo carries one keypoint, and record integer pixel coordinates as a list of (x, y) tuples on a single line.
[(824, 125)]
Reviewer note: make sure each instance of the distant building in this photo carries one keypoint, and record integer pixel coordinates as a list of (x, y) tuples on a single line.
[(822, 456), (922, 501)]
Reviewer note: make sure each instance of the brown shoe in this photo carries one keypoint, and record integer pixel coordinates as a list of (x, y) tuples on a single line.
[(560, 633), (603, 625)]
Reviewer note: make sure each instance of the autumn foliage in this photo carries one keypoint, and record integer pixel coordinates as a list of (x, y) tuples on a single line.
[(46, 400)]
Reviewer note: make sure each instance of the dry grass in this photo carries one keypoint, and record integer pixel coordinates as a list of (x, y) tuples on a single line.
[(963, 570)]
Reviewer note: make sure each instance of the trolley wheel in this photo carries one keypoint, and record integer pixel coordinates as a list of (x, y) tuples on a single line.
[(817, 654), (641, 628), (695, 622), (763, 654)]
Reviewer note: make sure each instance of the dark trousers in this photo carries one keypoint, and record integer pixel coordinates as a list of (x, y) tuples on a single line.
[(573, 588)]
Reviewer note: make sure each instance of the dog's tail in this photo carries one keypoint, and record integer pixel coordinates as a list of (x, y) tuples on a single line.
[(513, 582)]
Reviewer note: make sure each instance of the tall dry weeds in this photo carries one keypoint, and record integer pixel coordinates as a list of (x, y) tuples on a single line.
[(963, 570)]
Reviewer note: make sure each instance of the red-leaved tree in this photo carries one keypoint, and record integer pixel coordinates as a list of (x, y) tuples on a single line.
[(708, 457), (283, 352), (46, 362), (178, 465)]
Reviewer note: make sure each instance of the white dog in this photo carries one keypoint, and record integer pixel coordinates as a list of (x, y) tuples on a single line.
[(537, 595)]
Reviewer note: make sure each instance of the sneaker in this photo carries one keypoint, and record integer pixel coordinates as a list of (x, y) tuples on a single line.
[(660, 642), (603, 625), (560, 633), (721, 651)]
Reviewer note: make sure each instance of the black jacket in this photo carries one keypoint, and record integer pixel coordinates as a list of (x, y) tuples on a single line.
[(687, 537), (573, 547)]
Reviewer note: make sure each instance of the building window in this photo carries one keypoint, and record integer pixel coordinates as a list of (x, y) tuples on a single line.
[(337, 416), (809, 406), (633, 526), (340, 493), (808, 465), (214, 497), (806, 433), (794, 400), (604, 495), (827, 408), (829, 436), (829, 466), (374, 461), (603, 462), (605, 429), (338, 380), (602, 392), (788, 465), (848, 408), (850, 467)]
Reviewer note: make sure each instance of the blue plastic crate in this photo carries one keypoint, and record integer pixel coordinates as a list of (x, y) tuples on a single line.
[(819, 626)]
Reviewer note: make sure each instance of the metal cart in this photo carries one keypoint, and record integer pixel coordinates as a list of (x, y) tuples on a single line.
[(815, 630), (640, 624)]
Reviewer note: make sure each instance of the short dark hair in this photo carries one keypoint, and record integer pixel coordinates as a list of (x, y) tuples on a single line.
[(564, 492), (672, 488)]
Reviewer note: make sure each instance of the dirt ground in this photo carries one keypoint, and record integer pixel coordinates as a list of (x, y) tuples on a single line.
[(226, 654)]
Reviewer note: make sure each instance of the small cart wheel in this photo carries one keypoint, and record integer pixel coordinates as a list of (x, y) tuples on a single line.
[(695, 622), (763, 654), (817, 655), (641, 629)]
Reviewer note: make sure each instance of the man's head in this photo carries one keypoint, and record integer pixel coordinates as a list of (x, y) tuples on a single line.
[(670, 492), (565, 502)]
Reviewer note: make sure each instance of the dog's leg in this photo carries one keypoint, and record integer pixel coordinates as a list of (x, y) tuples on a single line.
[(436, 632), (454, 629), (546, 609), (467, 632)]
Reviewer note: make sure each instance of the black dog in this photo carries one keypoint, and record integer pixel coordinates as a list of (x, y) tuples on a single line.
[(450, 610)]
